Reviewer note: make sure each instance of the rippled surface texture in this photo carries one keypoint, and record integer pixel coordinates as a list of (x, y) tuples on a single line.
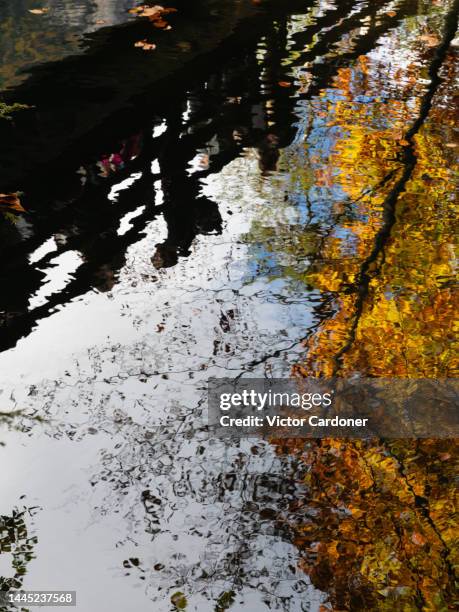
[(295, 211)]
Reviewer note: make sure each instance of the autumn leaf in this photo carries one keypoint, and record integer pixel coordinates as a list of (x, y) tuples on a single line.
[(284, 84), (11, 202), (145, 45), (41, 11), (154, 14)]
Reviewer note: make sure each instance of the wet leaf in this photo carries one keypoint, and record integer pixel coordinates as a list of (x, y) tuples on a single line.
[(39, 11), (145, 45), (154, 14), (11, 202), (284, 84)]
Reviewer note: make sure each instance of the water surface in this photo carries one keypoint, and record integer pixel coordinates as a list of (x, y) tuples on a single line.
[(293, 209)]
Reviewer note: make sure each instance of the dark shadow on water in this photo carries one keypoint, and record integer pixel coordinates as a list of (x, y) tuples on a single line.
[(219, 114)]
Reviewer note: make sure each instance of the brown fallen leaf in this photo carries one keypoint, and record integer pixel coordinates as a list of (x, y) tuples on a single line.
[(154, 14), (11, 201), (41, 11), (145, 45), (284, 84), (100, 22), (391, 13)]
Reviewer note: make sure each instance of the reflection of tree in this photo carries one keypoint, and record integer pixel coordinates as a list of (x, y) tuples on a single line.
[(379, 532), (372, 522), (16, 542), (393, 288), (220, 123), (231, 111)]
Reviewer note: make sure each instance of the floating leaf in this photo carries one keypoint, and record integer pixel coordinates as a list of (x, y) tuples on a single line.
[(7, 110), (154, 14), (145, 45), (41, 11), (11, 201)]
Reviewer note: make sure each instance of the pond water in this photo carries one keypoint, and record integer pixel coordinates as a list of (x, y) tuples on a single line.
[(28, 38), (293, 211)]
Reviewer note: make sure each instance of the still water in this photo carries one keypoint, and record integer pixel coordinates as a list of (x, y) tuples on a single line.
[(28, 39), (293, 211)]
